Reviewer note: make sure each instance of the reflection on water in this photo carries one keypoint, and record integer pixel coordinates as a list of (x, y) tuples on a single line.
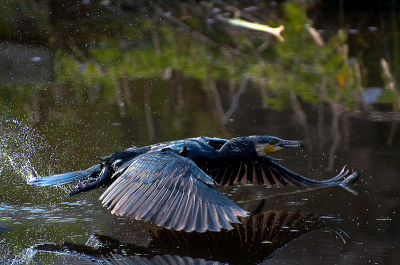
[(17, 214), (250, 242), (136, 74)]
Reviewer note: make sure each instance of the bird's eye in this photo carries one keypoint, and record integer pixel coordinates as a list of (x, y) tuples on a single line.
[(273, 141)]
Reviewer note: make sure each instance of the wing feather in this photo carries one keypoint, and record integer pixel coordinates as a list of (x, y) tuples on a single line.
[(255, 175), (172, 192), (265, 171), (154, 204), (194, 214)]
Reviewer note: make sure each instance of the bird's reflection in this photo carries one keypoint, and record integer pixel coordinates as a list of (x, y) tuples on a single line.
[(252, 241)]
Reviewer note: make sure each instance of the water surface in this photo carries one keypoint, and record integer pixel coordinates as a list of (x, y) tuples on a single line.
[(108, 77)]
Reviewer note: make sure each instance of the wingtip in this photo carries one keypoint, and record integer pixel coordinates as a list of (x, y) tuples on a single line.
[(350, 180)]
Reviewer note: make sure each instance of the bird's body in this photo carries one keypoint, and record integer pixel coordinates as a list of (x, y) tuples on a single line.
[(171, 183)]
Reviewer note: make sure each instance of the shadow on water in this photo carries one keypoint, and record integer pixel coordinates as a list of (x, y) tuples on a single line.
[(250, 242), (82, 79)]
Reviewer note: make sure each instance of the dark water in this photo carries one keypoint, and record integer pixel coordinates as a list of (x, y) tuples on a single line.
[(87, 80)]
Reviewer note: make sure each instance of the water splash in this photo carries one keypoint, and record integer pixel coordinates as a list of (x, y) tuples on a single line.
[(24, 152), (25, 257), (94, 242), (20, 145), (5, 252)]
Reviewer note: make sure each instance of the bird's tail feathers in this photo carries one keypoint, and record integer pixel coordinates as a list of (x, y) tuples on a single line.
[(65, 178)]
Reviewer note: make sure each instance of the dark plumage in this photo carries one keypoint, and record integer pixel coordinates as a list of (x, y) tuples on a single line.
[(171, 183)]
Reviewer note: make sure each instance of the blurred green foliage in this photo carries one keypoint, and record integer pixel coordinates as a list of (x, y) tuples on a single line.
[(315, 74)]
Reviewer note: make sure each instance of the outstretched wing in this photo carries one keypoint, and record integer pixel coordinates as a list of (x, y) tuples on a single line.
[(264, 171), (172, 192)]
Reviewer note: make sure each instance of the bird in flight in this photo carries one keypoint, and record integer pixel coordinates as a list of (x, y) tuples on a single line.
[(172, 183)]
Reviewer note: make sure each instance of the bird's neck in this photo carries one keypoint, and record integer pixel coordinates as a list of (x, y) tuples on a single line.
[(129, 153), (237, 147)]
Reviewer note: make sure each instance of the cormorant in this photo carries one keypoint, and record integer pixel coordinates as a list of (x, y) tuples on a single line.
[(171, 183)]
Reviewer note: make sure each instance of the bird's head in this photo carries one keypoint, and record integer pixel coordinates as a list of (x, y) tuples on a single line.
[(267, 145)]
